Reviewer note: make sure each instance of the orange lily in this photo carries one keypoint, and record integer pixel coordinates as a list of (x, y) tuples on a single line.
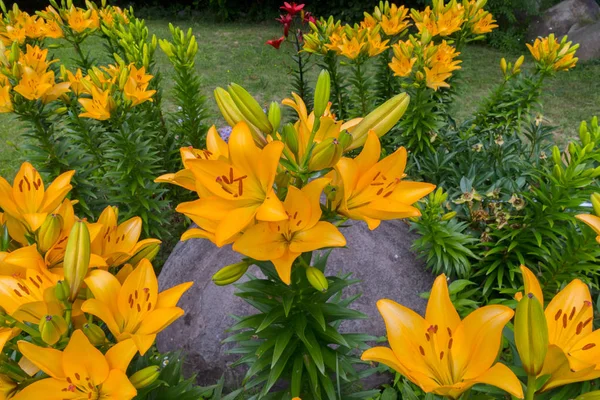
[(20, 260), (133, 309), (216, 148), (241, 188), (283, 241), (27, 201), (373, 190), (442, 354), (76, 81), (79, 19), (99, 106), (117, 243), (137, 93), (35, 58), (574, 347), (34, 85), (80, 371), (6, 105)]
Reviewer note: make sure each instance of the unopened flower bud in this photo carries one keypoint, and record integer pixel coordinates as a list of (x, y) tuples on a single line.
[(448, 216), (52, 327), (95, 334), (531, 334), (147, 252), (518, 63), (77, 257), (145, 377), (230, 273), (274, 115), (345, 139), (62, 291), (556, 155), (322, 93), (317, 279), (290, 138), (503, 65), (249, 107), (49, 232), (325, 155), (596, 203), (380, 120), (4, 237)]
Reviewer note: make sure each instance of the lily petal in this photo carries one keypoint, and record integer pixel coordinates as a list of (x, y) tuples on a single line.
[(170, 297), (323, 234), (120, 355), (532, 285), (261, 243), (93, 365), (47, 359), (117, 387)]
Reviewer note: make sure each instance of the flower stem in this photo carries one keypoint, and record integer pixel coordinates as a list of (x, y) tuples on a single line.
[(531, 387)]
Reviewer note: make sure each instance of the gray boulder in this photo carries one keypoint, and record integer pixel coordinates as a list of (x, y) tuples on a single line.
[(381, 259), (564, 16), (588, 38)]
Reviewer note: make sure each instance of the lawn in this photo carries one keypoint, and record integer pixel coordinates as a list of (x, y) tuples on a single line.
[(237, 53)]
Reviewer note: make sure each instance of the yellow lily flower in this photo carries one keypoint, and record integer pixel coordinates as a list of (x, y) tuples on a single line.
[(76, 81), (6, 105), (376, 46), (7, 387), (19, 261), (136, 92), (52, 30), (117, 243), (99, 106), (34, 85), (351, 48), (552, 54), (395, 25), (282, 242), (29, 297), (371, 190), (592, 221), (485, 23), (216, 148), (133, 309), (35, 58), (79, 19), (442, 354), (80, 371), (27, 201), (241, 188), (574, 347)]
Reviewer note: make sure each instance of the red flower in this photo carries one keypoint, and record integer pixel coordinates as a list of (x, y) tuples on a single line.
[(276, 42), (308, 17), (292, 8), (286, 21)]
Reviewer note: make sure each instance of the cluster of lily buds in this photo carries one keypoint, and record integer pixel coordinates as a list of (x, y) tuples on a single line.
[(510, 70), (65, 281), (552, 55), (392, 19)]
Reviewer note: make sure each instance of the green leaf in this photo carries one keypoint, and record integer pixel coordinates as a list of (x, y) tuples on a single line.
[(287, 300), (317, 313), (271, 317), (314, 349), (280, 344), (296, 382)]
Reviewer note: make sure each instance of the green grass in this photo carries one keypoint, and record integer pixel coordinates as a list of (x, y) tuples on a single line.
[(237, 53)]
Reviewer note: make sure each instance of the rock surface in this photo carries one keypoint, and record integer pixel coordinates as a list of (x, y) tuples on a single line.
[(563, 17), (588, 38), (381, 259)]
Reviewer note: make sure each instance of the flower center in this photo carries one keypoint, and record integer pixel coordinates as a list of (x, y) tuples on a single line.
[(232, 185)]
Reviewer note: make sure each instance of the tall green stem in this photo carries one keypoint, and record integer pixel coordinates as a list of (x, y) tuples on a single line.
[(531, 387)]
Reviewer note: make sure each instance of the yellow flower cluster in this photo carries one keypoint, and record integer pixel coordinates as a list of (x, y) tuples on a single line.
[(61, 278), (392, 19), (256, 196), (354, 42), (446, 19), (434, 63), (552, 55), (18, 26)]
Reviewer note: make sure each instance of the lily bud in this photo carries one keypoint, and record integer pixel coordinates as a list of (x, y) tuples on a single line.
[(531, 334), (557, 171), (249, 108), (77, 257), (322, 93), (448, 216), (518, 63), (62, 291), (95, 334), (230, 273), (5, 237), (503, 65), (145, 377), (49, 232), (584, 135), (166, 47), (317, 279), (345, 139), (556, 155), (274, 115), (595, 395), (52, 327), (148, 252), (290, 137), (380, 120), (325, 155), (596, 203)]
